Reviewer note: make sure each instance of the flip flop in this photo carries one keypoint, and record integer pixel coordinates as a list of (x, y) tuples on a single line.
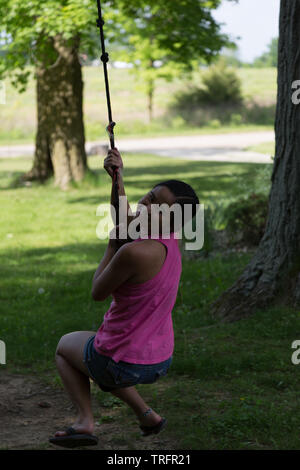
[(147, 430), (74, 439)]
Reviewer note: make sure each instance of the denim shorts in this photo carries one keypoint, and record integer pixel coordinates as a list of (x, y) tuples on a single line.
[(110, 375)]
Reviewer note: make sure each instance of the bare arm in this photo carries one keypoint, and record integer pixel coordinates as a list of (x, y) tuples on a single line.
[(110, 251), (114, 159), (115, 268)]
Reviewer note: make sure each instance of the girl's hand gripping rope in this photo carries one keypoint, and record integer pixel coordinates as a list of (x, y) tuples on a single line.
[(113, 161)]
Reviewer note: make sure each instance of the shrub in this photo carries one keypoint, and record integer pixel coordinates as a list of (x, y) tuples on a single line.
[(236, 119), (214, 123), (221, 86), (217, 99), (259, 183), (208, 245), (259, 114), (246, 219)]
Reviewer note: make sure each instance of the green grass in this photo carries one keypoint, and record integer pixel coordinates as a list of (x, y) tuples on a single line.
[(231, 386), (259, 85), (129, 103), (267, 148)]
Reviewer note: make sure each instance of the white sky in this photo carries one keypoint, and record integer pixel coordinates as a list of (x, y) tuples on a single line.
[(254, 21)]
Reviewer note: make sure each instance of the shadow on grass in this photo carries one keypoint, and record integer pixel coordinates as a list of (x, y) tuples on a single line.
[(45, 293), (214, 177), (205, 177), (14, 178)]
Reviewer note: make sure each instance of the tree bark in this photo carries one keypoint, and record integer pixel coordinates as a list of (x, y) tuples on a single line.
[(150, 92), (60, 140), (273, 274), (150, 84)]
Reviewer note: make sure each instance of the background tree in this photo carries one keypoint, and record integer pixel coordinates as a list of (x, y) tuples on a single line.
[(45, 38), (273, 274), (163, 40)]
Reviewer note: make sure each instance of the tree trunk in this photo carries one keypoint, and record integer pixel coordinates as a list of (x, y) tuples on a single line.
[(150, 91), (60, 140), (273, 275)]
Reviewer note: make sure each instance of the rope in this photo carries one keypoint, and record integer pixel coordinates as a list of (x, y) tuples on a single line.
[(111, 124)]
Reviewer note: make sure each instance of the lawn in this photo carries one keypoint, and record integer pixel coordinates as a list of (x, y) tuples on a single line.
[(231, 386), (268, 148)]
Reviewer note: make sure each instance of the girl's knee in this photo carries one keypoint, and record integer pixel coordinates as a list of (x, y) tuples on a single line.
[(61, 345)]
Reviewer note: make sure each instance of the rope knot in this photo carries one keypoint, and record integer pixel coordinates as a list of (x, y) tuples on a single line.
[(99, 22), (104, 57)]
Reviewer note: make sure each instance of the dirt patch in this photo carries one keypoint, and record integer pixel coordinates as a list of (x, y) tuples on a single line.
[(30, 413)]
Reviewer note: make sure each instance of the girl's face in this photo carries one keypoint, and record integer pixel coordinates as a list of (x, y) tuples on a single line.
[(157, 196)]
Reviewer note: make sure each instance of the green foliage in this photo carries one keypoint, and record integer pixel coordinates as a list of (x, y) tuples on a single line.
[(208, 232), (236, 119), (261, 182), (246, 219), (221, 85), (30, 30), (217, 100), (151, 31), (176, 32), (259, 114), (163, 40), (220, 95)]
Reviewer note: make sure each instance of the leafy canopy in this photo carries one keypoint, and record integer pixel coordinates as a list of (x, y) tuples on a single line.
[(161, 38), (176, 32)]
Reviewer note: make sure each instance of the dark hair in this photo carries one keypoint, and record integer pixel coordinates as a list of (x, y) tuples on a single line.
[(184, 194)]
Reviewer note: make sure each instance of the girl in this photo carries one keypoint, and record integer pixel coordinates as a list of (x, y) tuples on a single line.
[(134, 344)]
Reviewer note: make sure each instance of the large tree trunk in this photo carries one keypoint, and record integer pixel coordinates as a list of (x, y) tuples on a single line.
[(60, 140), (273, 275)]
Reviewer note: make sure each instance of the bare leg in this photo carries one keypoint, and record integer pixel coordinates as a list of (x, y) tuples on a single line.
[(132, 397), (75, 377)]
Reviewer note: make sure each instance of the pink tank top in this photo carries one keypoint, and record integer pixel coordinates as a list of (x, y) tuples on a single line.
[(138, 326)]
